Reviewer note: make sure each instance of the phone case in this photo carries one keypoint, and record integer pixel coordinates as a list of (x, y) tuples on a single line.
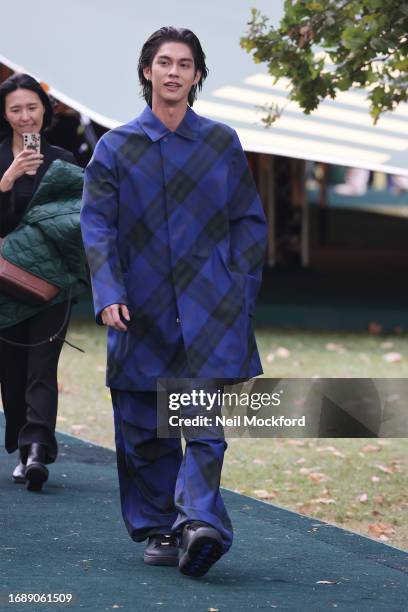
[(32, 142)]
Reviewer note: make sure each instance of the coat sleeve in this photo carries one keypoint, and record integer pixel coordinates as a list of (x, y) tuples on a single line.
[(6, 197), (248, 228), (5, 207), (99, 216)]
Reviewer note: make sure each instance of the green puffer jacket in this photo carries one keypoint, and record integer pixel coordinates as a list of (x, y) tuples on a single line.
[(48, 241)]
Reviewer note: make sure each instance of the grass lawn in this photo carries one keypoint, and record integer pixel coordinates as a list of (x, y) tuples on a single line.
[(358, 484)]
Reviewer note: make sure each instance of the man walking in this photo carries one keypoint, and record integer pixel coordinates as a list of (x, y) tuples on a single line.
[(175, 237)]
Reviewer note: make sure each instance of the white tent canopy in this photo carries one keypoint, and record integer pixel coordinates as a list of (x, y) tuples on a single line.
[(87, 51)]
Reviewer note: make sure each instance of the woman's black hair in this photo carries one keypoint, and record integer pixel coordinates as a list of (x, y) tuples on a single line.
[(22, 81), (152, 45)]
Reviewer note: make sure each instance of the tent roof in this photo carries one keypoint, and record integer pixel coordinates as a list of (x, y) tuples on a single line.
[(87, 51)]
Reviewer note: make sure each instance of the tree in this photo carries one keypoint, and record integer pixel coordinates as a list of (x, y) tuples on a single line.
[(366, 42)]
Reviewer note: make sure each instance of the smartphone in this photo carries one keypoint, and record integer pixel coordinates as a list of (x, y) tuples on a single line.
[(32, 142)]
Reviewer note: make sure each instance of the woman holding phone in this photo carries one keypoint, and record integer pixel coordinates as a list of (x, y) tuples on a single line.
[(28, 374)]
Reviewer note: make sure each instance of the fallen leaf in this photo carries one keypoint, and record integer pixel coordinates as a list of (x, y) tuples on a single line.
[(324, 500), (375, 479), (337, 348), (330, 449), (282, 352), (64, 389), (258, 461), (317, 476), (78, 428), (392, 357), (263, 494), (380, 528), (386, 469), (379, 499), (307, 508), (270, 357), (370, 448), (363, 498), (387, 345)]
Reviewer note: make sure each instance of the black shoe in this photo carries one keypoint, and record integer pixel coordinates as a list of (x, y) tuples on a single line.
[(201, 547), (36, 473), (19, 472), (162, 549)]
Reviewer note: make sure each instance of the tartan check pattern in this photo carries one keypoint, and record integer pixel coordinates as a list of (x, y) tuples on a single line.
[(160, 488), (173, 227)]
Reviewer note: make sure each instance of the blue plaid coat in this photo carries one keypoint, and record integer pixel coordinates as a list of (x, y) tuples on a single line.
[(173, 227)]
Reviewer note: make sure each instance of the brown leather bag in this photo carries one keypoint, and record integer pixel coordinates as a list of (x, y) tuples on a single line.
[(23, 285)]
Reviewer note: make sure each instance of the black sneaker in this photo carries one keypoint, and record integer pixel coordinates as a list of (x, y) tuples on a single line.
[(201, 547), (162, 549)]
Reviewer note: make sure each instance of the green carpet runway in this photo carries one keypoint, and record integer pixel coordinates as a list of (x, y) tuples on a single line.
[(70, 539)]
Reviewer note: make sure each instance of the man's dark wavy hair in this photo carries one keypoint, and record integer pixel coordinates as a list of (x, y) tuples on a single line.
[(22, 81), (152, 45)]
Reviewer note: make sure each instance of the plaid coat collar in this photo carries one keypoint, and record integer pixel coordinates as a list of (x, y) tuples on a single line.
[(155, 129)]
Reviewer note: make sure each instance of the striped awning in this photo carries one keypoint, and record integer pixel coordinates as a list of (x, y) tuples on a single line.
[(87, 52)]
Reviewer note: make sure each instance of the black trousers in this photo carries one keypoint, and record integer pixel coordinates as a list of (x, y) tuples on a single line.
[(28, 378)]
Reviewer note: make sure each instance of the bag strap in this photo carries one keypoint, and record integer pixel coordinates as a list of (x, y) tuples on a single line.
[(51, 338)]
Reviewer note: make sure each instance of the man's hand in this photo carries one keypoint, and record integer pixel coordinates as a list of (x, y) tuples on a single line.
[(111, 316)]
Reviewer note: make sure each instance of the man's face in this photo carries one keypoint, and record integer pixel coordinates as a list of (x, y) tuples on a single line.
[(172, 73)]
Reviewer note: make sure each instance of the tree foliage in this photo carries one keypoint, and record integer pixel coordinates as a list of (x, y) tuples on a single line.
[(366, 42)]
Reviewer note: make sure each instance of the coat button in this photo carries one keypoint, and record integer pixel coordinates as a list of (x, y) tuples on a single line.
[(177, 320), (165, 139)]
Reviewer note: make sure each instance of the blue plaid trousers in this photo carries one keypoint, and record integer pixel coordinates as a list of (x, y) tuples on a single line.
[(162, 489)]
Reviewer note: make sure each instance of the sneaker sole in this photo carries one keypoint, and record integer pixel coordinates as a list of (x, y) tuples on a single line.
[(36, 475), (19, 479), (155, 560), (202, 553)]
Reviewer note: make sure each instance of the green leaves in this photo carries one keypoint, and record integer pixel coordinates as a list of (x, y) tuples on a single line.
[(354, 38), (366, 40)]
